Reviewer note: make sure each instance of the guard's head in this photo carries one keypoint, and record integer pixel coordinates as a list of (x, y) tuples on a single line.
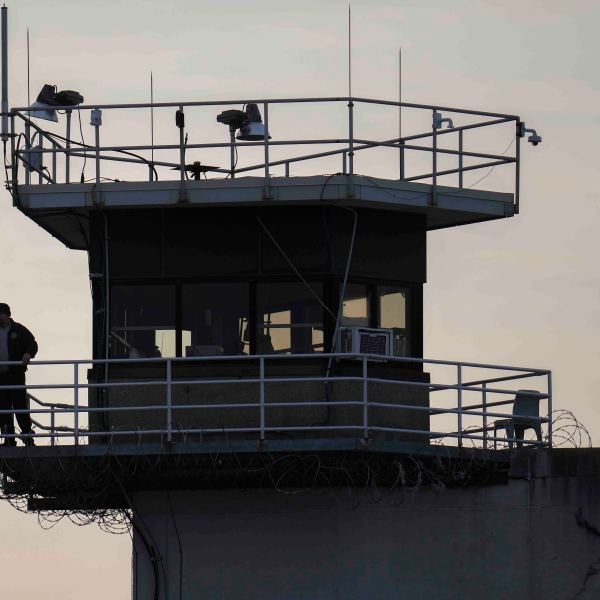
[(4, 313)]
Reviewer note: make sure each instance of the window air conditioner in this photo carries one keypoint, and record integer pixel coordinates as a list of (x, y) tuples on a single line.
[(363, 340)]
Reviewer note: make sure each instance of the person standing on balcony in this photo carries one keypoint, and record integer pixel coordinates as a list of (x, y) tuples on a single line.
[(17, 344)]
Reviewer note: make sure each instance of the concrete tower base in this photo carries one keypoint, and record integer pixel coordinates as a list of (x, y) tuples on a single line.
[(538, 537)]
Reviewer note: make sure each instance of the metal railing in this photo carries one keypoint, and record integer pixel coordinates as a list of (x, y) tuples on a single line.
[(367, 402), (431, 137)]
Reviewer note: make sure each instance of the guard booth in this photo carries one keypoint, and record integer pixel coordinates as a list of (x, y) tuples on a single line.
[(259, 303)]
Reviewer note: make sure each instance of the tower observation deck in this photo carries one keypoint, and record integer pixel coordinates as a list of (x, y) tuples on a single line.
[(270, 304)]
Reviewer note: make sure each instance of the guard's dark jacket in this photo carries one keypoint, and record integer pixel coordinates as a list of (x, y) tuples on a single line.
[(20, 341)]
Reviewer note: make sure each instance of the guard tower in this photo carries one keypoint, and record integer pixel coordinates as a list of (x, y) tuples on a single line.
[(257, 355)]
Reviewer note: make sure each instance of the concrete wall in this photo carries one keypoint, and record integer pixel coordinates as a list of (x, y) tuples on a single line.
[(275, 392), (535, 538)]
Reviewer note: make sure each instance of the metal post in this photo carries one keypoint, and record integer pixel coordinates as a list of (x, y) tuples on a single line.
[(169, 402), (262, 398), (41, 160), (517, 172), (54, 146), (484, 406), (550, 409), (97, 138), (232, 151), (52, 425), (4, 107), (150, 173), (365, 398), (460, 158), (181, 148), (28, 152), (67, 146), (344, 163), (267, 192), (402, 160), (287, 169), (434, 161), (459, 414), (76, 401)]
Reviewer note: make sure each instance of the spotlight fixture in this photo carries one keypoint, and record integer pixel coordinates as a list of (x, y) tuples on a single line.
[(248, 121), (438, 121), (48, 98)]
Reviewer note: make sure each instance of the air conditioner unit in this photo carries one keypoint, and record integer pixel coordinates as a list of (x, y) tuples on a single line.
[(364, 340)]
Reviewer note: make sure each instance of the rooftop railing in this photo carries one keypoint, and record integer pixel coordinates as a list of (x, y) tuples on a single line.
[(434, 144), (466, 403)]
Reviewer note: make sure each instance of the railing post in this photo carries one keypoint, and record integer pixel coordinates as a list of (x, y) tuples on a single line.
[(41, 160), (169, 402), (267, 190), (97, 142), (28, 146), (52, 425), (459, 402), (287, 169), (365, 392), (402, 160), (262, 398), (67, 146), (76, 401), (54, 146), (460, 158), (434, 161), (550, 409), (485, 422), (344, 162)]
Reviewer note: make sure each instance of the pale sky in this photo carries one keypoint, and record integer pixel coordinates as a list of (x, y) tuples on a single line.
[(521, 291)]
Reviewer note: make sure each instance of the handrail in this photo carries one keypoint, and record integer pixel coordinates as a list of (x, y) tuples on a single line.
[(350, 144), (237, 395)]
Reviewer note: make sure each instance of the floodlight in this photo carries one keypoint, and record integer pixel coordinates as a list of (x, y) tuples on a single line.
[(253, 129), (48, 98)]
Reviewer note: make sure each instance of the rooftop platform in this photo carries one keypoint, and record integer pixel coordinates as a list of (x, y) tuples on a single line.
[(443, 206), (313, 151)]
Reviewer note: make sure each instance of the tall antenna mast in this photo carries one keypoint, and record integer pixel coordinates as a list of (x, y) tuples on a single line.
[(4, 73), (152, 116), (400, 149), (349, 50), (28, 76)]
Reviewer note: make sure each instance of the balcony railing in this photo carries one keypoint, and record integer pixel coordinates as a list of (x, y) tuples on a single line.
[(435, 144), (464, 402)]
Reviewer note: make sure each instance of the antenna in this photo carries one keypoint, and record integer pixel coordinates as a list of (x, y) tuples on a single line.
[(152, 115), (350, 50), (28, 76), (4, 74), (399, 93)]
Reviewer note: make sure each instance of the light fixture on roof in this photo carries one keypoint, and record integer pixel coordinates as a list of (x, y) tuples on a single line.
[(48, 98), (248, 121), (438, 121), (253, 129)]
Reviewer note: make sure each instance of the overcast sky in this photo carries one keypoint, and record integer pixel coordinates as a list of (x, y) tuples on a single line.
[(522, 291)]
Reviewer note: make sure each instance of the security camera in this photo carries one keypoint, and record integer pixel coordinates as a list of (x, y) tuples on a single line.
[(534, 139)]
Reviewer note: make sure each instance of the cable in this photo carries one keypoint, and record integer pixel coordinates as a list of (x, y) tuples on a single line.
[(178, 542), (127, 152), (308, 286), (492, 169)]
